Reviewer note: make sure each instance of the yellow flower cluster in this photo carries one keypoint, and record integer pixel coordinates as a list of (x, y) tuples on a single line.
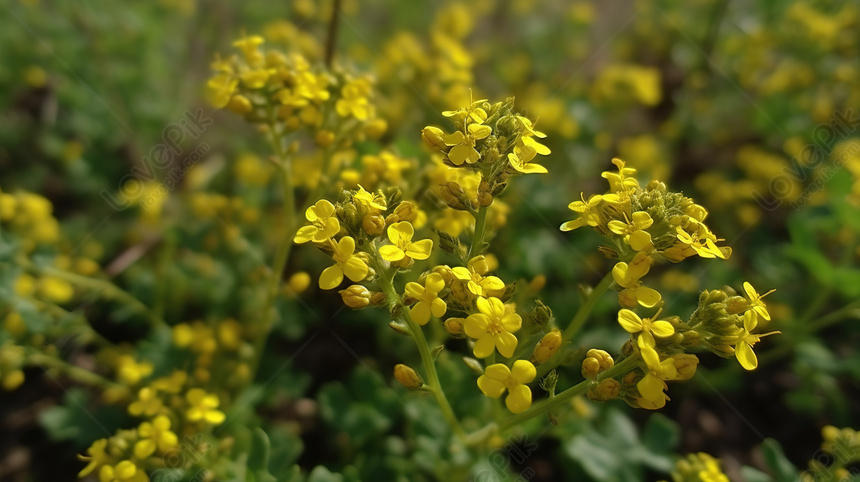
[(29, 216), (698, 467), (618, 83), (723, 324), (268, 86), (168, 405), (371, 237), (842, 447), (641, 225)]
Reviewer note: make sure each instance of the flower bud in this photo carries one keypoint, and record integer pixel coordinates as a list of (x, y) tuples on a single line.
[(453, 195), (356, 297), (736, 305), (408, 377), (685, 364), (596, 361), (605, 390), (299, 282), (240, 104), (373, 224), (324, 138), (454, 326), (400, 328), (542, 314), (433, 138), (377, 298), (537, 283), (375, 128), (474, 365), (547, 346), (406, 211)]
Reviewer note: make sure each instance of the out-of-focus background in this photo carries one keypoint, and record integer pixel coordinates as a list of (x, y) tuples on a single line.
[(752, 108)]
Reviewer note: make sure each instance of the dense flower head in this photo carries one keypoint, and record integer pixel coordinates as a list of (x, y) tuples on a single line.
[(295, 85), (489, 137)]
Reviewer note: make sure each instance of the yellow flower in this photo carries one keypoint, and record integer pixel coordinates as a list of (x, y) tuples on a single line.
[(498, 378), (463, 149), (706, 249), (203, 406), (124, 471), (745, 341), (346, 263), (148, 403), (324, 223), (474, 112), (354, 100), (249, 47), (429, 302), (632, 323), (589, 214), (756, 304), (627, 276), (521, 159), (401, 247), (97, 457), (130, 372), (155, 435), (172, 383), (622, 181), (634, 230), (477, 283), (493, 328), (371, 202)]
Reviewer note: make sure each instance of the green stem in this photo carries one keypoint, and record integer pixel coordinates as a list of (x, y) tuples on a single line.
[(283, 253), (480, 228), (586, 307), (107, 288), (431, 376), (72, 371)]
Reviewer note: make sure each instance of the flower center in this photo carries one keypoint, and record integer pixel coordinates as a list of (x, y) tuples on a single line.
[(494, 327)]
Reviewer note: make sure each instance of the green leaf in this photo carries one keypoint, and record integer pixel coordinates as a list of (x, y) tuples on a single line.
[(783, 470), (258, 458), (750, 474), (661, 434), (322, 474)]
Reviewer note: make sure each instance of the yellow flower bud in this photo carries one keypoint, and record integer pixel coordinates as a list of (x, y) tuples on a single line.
[(56, 290), (240, 104), (299, 282), (433, 138), (547, 346), (596, 361), (453, 194), (373, 224), (685, 364), (605, 390), (14, 324), (454, 326), (356, 297), (325, 138), (12, 380), (375, 128), (407, 377), (537, 283)]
